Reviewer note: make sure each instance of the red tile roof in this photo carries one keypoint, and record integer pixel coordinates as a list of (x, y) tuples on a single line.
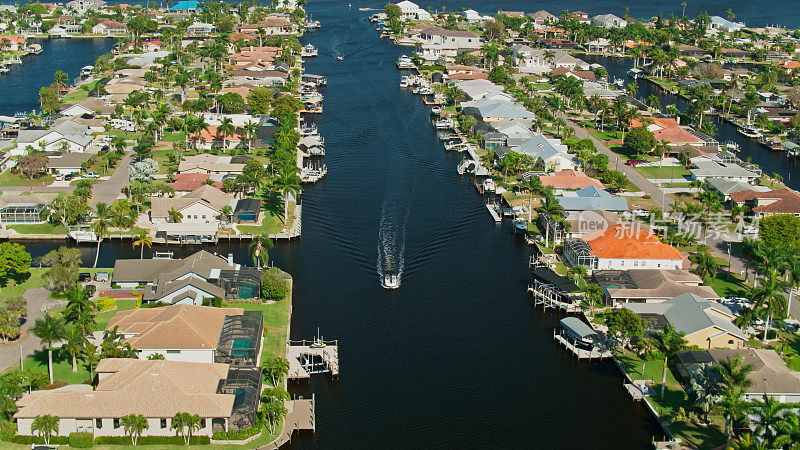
[(570, 179), (627, 242), (187, 182), (783, 200)]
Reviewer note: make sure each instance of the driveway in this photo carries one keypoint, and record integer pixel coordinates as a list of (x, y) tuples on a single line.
[(37, 301), (108, 191)]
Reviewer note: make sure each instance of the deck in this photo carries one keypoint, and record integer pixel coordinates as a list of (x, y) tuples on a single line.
[(595, 353), (309, 357), (300, 415), (493, 211)]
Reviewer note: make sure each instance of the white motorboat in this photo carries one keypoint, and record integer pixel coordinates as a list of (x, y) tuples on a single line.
[(339, 57), (308, 51), (4, 69), (405, 62), (391, 281), (15, 60), (436, 110), (750, 131), (83, 235)]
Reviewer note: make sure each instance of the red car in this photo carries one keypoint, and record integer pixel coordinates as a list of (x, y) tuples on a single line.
[(633, 162)]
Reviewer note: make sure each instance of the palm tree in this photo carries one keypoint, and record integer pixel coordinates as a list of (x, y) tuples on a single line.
[(134, 424), (185, 425), (273, 412), (706, 263), (552, 208), (734, 373), (769, 299), (174, 215), (73, 344), (787, 430), (225, 129), (101, 226), (259, 250), (733, 408), (91, 357), (287, 182), (60, 80), (791, 265), (142, 238), (250, 130), (768, 413), (45, 426), (50, 330), (80, 309), (227, 213), (669, 342)]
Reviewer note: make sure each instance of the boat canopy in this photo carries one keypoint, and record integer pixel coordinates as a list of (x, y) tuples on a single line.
[(578, 329)]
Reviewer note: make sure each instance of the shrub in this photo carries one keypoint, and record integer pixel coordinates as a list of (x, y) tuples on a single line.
[(273, 285), (81, 440), (27, 440), (215, 302), (151, 305), (56, 384), (151, 440), (106, 303), (236, 435)]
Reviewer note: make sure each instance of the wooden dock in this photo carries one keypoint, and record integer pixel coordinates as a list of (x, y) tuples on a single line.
[(300, 416), (581, 353), (545, 295), (309, 357), (493, 211)]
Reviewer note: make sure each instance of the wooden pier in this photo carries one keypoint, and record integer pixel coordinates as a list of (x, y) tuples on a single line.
[(493, 211), (547, 296), (300, 416), (594, 353), (310, 357)]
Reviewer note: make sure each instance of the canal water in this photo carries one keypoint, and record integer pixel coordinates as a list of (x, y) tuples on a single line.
[(19, 88), (456, 356), (769, 161)]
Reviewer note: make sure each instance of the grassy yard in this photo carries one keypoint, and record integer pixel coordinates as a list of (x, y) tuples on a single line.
[(14, 179), (725, 286), (16, 290), (39, 228), (270, 224), (606, 135), (663, 172), (674, 398), (276, 321)]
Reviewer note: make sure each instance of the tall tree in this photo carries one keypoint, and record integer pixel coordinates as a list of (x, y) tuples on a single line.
[(45, 426), (134, 425), (101, 226), (669, 342), (50, 330)]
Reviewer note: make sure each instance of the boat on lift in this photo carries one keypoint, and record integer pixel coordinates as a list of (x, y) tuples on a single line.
[(731, 146)]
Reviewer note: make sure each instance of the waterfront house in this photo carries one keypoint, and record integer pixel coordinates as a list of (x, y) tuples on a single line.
[(514, 131), (706, 324), (200, 29), (66, 136), (779, 201), (184, 6), (609, 21), (547, 154), (705, 168), (109, 27), (649, 286), (156, 389), (210, 164), (203, 205), (472, 16), (187, 281), (721, 24), (536, 61), (621, 247), (560, 43), (13, 43), (668, 130), (271, 25), (690, 50), (87, 107), (490, 110), (770, 375), (580, 223), (481, 89), (727, 187), (29, 208), (81, 7), (450, 39), (542, 17), (591, 198), (191, 333), (412, 11)]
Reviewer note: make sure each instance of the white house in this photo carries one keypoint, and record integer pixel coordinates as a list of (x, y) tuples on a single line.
[(408, 10), (203, 205), (200, 29), (721, 24), (622, 247), (541, 61), (81, 7), (450, 39), (66, 136), (472, 16), (109, 27), (609, 21), (548, 154)]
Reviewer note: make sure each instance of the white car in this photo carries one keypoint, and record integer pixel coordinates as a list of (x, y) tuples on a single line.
[(750, 230), (91, 175)]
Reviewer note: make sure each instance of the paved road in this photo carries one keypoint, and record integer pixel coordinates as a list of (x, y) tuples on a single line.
[(108, 191), (35, 299), (633, 175)]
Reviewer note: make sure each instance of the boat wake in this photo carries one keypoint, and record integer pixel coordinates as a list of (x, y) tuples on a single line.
[(391, 243)]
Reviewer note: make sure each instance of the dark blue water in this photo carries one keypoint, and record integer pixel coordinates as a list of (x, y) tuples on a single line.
[(19, 88)]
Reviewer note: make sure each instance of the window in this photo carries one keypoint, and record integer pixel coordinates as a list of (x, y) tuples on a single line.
[(202, 423), (98, 423), (204, 216), (173, 352), (730, 341), (163, 422), (116, 423)]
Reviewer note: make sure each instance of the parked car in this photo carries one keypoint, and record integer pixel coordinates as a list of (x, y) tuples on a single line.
[(90, 289), (91, 175), (69, 176), (633, 162), (101, 276), (84, 277)]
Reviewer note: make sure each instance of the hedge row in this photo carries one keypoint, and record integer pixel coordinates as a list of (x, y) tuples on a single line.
[(236, 435), (151, 440), (81, 440)]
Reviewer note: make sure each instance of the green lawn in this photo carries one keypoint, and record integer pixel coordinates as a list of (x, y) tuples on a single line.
[(674, 398), (606, 135), (663, 172), (725, 287), (173, 137), (39, 228), (14, 179), (276, 320), (270, 224), (104, 317), (15, 290)]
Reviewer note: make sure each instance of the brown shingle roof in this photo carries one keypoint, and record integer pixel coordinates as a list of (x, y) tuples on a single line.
[(155, 388), (785, 201), (173, 327)]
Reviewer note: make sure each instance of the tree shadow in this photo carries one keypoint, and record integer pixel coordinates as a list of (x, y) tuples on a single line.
[(272, 202)]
